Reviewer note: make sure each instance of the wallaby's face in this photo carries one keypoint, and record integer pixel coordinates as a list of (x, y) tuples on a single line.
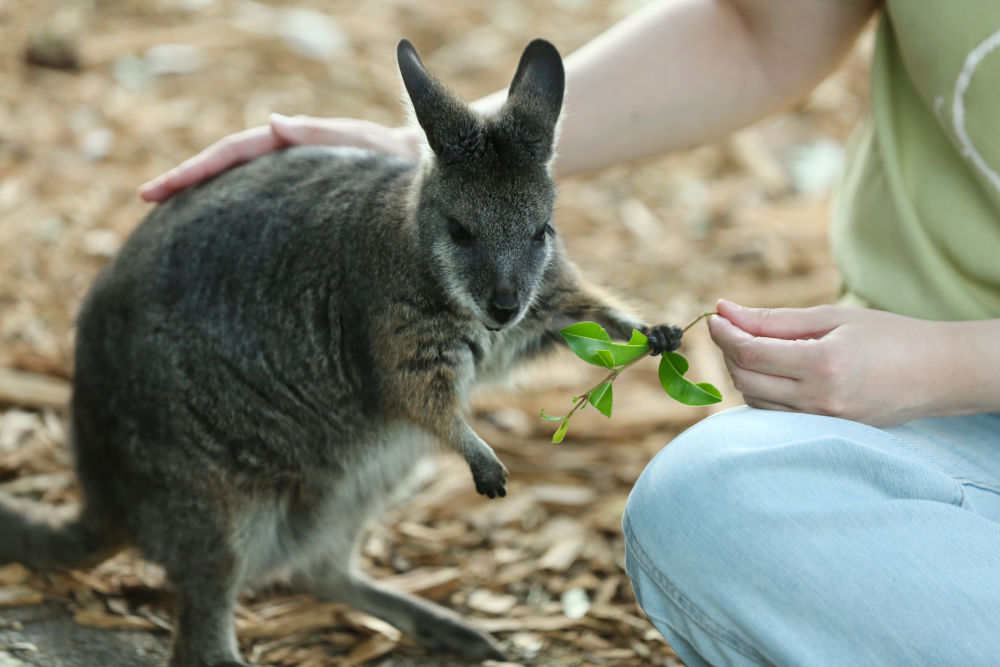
[(490, 237), (484, 208)]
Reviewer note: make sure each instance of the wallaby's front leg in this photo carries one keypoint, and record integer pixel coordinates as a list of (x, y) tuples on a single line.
[(489, 474), (573, 299), (428, 383)]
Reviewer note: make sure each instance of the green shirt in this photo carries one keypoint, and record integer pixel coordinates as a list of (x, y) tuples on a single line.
[(916, 225)]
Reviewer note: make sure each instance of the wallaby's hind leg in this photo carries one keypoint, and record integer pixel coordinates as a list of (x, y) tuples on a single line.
[(191, 536), (432, 625), (204, 634)]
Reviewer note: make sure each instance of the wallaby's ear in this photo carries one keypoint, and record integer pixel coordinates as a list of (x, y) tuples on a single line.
[(535, 98), (453, 132)]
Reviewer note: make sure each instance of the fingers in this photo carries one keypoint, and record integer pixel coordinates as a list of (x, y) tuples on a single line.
[(233, 150), (282, 131), (770, 356), (346, 132), (760, 390), (299, 130), (788, 323), (768, 405)]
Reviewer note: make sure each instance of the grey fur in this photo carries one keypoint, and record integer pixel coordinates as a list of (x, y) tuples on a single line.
[(272, 351)]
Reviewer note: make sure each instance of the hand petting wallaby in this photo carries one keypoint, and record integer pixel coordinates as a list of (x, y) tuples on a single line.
[(271, 352)]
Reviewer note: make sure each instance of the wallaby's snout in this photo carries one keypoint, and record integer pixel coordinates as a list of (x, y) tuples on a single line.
[(504, 304)]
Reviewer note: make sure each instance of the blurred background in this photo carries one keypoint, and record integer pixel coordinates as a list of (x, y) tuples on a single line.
[(97, 96)]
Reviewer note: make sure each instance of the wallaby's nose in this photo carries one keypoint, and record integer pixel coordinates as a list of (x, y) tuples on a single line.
[(504, 304)]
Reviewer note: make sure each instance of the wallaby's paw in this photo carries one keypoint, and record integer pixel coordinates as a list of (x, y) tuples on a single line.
[(663, 338), (490, 476), (447, 634)]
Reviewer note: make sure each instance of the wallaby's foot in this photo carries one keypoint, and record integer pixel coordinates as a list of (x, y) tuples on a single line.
[(663, 338), (201, 663), (490, 476), (447, 634), (429, 624)]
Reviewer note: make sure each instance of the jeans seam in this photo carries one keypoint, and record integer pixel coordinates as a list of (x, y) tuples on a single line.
[(683, 603), (982, 486)]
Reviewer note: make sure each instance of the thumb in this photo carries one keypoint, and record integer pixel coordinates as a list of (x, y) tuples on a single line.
[(787, 323)]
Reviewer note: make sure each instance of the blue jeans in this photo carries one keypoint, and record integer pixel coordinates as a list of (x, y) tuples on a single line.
[(762, 537)]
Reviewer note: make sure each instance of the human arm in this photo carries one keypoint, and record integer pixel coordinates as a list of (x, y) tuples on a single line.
[(865, 365), (280, 132), (676, 74), (671, 75)]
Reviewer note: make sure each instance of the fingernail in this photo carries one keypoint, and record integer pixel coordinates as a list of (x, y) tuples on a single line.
[(280, 118)]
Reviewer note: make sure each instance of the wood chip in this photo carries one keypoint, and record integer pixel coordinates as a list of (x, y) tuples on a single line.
[(32, 390), (561, 555), (429, 582), (562, 497), (15, 573), (362, 621), (17, 596), (368, 650), (489, 602), (96, 583), (536, 623), (307, 619), (93, 618)]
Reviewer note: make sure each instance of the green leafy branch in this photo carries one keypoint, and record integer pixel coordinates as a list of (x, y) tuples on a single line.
[(592, 343)]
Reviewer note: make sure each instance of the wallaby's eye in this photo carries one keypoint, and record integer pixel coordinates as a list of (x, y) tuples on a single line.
[(539, 237), (459, 234)]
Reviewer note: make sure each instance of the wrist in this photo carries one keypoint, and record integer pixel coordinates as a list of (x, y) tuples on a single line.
[(964, 376)]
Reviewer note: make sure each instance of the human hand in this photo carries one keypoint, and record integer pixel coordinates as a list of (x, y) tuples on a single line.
[(864, 365), (281, 132)]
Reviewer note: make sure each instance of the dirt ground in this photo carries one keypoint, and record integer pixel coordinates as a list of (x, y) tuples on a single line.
[(120, 90)]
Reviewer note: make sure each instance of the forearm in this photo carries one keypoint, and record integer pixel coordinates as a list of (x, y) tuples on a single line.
[(967, 373), (679, 73)]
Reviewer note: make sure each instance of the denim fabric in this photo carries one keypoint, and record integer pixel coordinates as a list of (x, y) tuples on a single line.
[(763, 537)]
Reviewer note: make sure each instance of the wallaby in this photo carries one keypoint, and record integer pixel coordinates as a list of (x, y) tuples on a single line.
[(271, 352)]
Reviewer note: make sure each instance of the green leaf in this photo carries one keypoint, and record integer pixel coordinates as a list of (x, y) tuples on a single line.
[(560, 433), (601, 398), (606, 358), (587, 340), (592, 343), (550, 418), (622, 353), (672, 369), (638, 338)]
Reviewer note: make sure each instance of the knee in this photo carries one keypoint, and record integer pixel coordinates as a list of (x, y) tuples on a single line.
[(704, 502), (688, 488)]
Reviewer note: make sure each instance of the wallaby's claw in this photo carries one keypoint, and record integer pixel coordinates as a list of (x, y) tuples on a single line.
[(491, 479), (663, 338)]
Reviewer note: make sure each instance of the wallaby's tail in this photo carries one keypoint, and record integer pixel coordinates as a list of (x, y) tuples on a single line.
[(35, 536)]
